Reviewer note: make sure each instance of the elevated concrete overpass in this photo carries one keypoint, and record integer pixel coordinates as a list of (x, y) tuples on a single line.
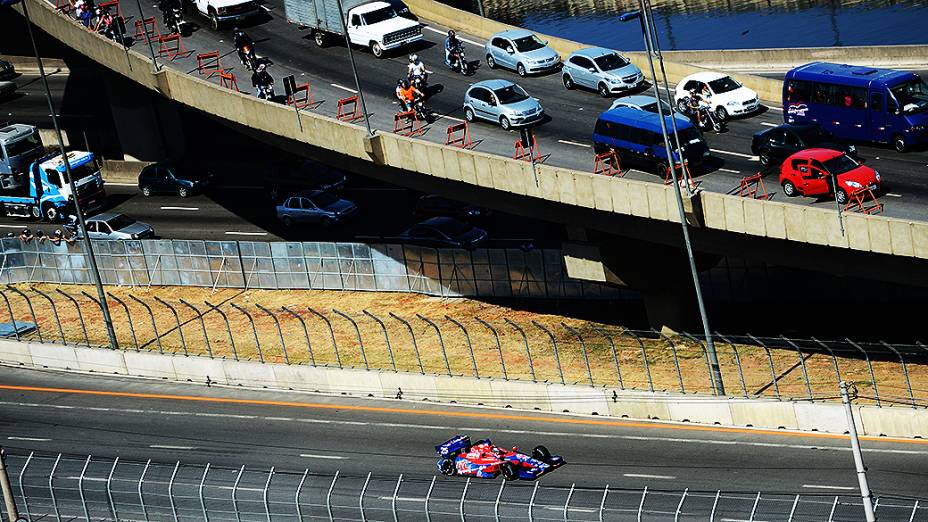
[(625, 228)]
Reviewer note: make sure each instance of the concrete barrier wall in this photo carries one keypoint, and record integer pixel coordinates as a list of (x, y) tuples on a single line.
[(758, 413)]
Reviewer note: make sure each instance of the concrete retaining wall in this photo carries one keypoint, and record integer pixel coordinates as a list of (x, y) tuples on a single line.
[(759, 413)]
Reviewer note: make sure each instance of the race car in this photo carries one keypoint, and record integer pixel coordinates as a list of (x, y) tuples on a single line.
[(458, 456)]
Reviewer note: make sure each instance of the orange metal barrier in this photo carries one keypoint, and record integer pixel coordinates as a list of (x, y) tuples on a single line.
[(208, 63), (463, 140), (302, 97), (348, 109), (227, 79), (608, 164), (857, 202), (668, 177), (111, 3), (171, 46), (753, 187), (531, 153), (406, 123), (147, 28)]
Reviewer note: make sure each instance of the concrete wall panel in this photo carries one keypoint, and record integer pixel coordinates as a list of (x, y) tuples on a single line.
[(893, 421), (451, 160), (15, 352), (773, 415), (413, 386), (920, 240), (701, 411), (53, 356), (713, 210), (816, 223), (602, 193), (621, 202), (103, 361), (734, 213), (565, 187), (880, 239), (577, 399), (150, 364), (637, 198), (795, 225), (657, 201), (774, 220), (583, 183), (247, 373), (470, 391), (520, 394), (822, 417), (754, 222), (900, 232), (656, 409), (197, 369), (857, 230)]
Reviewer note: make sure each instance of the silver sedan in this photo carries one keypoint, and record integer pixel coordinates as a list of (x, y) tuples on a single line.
[(502, 102)]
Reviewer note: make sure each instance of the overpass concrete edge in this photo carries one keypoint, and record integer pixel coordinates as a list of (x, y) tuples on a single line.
[(769, 414)]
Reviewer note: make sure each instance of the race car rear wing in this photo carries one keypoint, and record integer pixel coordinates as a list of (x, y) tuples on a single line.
[(453, 446)]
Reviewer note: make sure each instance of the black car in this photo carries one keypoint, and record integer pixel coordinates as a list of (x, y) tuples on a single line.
[(776, 144), (285, 179), (167, 178), (7, 71), (443, 232), (433, 206)]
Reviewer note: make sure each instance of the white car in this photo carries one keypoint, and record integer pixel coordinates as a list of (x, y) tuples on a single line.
[(726, 96), (221, 12)]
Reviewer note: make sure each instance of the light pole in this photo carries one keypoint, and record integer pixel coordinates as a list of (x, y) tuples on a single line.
[(865, 495), (710, 345), (95, 273), (354, 69)]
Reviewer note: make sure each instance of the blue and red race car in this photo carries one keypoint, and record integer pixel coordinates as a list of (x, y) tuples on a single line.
[(484, 460)]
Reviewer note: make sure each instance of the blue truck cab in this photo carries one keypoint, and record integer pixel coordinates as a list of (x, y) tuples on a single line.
[(636, 137), (856, 103), (48, 192)]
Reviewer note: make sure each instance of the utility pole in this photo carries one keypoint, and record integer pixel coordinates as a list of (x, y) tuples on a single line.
[(11, 512), (858, 457)]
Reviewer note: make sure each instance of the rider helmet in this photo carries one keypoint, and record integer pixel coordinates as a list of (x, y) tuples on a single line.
[(405, 84), (413, 58)]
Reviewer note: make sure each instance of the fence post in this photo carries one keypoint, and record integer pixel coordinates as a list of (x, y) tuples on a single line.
[(35, 319), (531, 503), (528, 354), (280, 333), (200, 491), (328, 497), (676, 514), (744, 389), (80, 488), (802, 362), (141, 495), (386, 337), (773, 372), (238, 478), (754, 507), (905, 371), (586, 358), (357, 332), (602, 503), (396, 491), (428, 495), (570, 494), (615, 357), (914, 511), (361, 496), (557, 355), (834, 505), (499, 347), (441, 342), (54, 308), (109, 490), (309, 346), (94, 300), (296, 499), (499, 495), (13, 317), (209, 348), (267, 507), (22, 490), (151, 315), (792, 510), (77, 307), (876, 392), (641, 504), (412, 334), (135, 341), (328, 323), (834, 359), (644, 356), (676, 361), (254, 330), (715, 505), (463, 496), (180, 330), (470, 347), (171, 491), (228, 327), (51, 488)]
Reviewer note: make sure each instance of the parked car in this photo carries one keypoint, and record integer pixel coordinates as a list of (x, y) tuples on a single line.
[(809, 173), (433, 205), (726, 96), (306, 175), (521, 51), (502, 102), (602, 70), (315, 207), (774, 145), (443, 232), (167, 178), (642, 103), (483, 459), (7, 89), (112, 225), (7, 70)]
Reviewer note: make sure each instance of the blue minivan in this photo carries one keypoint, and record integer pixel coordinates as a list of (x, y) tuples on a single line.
[(636, 137), (859, 103)]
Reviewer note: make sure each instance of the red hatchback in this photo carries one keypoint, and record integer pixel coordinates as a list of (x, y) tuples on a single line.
[(808, 173)]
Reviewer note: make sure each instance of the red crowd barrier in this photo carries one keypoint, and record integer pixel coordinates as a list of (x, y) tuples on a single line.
[(302, 97), (208, 63), (348, 109), (406, 123), (171, 46), (532, 153), (147, 28), (454, 139), (753, 186), (227, 79), (857, 202), (668, 178), (63, 5), (607, 164), (110, 3)]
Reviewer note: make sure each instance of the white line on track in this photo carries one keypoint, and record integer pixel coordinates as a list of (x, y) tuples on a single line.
[(642, 475), (573, 509), (825, 486), (30, 439), (775, 108), (452, 118), (13, 226), (189, 209), (478, 44), (169, 447), (330, 457), (403, 499), (574, 143), (266, 8), (234, 233), (92, 479), (737, 154), (768, 124), (337, 86), (732, 171)]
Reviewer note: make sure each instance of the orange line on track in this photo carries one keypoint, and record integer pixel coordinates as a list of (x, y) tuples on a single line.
[(449, 413)]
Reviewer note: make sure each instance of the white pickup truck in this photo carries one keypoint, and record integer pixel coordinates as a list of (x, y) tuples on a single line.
[(221, 12), (372, 24)]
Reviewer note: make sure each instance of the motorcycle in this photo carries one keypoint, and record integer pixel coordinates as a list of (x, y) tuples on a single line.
[(423, 112), (174, 20), (702, 116), (420, 82), (456, 61), (266, 92), (246, 53)]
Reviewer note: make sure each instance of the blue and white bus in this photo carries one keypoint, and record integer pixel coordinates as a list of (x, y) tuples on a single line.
[(859, 103)]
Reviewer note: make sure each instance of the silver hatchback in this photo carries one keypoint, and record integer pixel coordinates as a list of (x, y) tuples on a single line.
[(503, 102), (521, 51), (601, 70)]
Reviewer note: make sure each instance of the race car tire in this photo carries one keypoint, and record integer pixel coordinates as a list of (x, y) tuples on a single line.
[(447, 467), (541, 453), (509, 471)]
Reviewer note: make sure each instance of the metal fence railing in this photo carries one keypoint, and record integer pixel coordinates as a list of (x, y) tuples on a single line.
[(58, 487), (273, 328)]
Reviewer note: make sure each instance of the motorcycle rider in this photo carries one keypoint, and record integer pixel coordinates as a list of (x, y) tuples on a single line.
[(417, 69), (451, 44), (241, 40), (407, 93), (262, 82), (168, 8), (695, 104)]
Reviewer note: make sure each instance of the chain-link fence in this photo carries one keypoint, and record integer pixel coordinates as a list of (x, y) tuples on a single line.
[(58, 487)]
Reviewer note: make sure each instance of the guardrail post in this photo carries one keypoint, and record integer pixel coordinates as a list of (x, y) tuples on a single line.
[(151, 316), (412, 334), (141, 494), (200, 491), (499, 347), (77, 307), (109, 489), (12, 317), (802, 362), (834, 506), (586, 358), (914, 511), (357, 333), (792, 510), (428, 495), (386, 338), (135, 341), (22, 490), (744, 388), (528, 354), (754, 507), (296, 498), (641, 504), (228, 327), (54, 308), (463, 496), (80, 488), (470, 347), (396, 491), (905, 372), (238, 479), (531, 503), (557, 355), (441, 342), (328, 323), (834, 359), (570, 495), (171, 491), (876, 393), (773, 372), (602, 503), (267, 506), (361, 496), (309, 346), (209, 348), (715, 505), (676, 361), (35, 319), (644, 357), (51, 488), (254, 330), (676, 514), (615, 357), (100, 306), (499, 495), (180, 330), (328, 496), (280, 333)]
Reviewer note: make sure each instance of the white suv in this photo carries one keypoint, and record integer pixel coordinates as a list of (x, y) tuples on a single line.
[(726, 96)]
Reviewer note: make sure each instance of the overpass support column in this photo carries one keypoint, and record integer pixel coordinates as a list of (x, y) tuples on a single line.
[(149, 128)]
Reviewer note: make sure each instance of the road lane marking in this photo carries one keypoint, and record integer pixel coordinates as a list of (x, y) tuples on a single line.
[(114, 184), (574, 143), (189, 209), (892, 195), (266, 8), (482, 414), (768, 124), (478, 44), (643, 475), (28, 439), (403, 499), (732, 171), (738, 154), (775, 108), (169, 447), (91, 479), (337, 86), (452, 118), (234, 233), (331, 457), (824, 486), (13, 226)]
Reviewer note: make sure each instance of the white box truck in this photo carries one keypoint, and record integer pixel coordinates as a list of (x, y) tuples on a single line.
[(373, 24)]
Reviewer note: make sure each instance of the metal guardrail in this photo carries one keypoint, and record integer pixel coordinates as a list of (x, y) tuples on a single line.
[(65, 487)]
